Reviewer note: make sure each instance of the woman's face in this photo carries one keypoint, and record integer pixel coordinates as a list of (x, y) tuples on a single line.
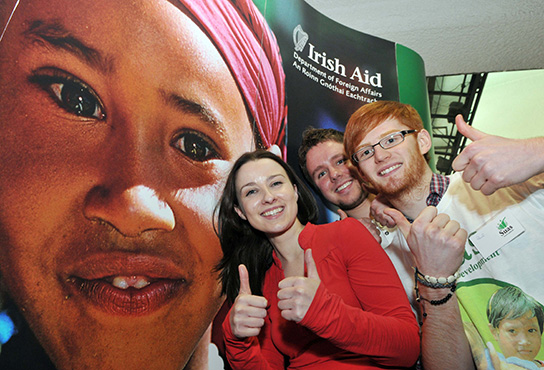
[(120, 121), (267, 198)]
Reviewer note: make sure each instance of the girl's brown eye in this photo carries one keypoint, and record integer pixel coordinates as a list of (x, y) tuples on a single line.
[(195, 146), (72, 95)]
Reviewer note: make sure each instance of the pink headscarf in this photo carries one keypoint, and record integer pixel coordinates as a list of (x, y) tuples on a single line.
[(240, 33)]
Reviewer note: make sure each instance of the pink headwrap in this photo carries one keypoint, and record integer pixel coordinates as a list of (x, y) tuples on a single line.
[(240, 33)]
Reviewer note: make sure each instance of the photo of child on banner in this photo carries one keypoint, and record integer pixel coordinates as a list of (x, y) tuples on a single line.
[(515, 322)]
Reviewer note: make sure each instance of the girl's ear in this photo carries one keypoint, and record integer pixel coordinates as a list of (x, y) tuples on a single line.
[(424, 141), (240, 213), (296, 191)]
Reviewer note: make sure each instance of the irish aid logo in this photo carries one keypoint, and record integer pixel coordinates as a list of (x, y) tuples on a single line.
[(300, 38)]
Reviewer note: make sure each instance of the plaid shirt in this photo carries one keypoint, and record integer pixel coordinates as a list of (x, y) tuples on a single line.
[(439, 185)]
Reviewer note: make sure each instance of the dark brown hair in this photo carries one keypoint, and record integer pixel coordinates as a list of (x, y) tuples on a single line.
[(240, 242)]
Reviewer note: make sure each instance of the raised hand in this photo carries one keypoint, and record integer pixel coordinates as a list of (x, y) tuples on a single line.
[(492, 162), (297, 292), (248, 311), (367, 222), (436, 242), (377, 208)]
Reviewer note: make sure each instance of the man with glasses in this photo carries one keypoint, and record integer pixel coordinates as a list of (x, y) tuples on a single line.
[(454, 280), (387, 142)]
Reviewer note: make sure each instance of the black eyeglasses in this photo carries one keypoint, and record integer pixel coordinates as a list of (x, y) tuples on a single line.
[(387, 142)]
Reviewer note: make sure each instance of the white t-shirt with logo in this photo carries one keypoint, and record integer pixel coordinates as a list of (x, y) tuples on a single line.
[(505, 247)]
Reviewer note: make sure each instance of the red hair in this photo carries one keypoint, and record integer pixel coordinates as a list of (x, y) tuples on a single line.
[(369, 116)]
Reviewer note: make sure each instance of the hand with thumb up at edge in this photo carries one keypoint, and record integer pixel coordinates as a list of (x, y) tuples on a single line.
[(248, 311), (297, 292), (492, 162)]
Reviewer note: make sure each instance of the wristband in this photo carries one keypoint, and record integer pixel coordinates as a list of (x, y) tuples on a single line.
[(419, 277), (433, 282)]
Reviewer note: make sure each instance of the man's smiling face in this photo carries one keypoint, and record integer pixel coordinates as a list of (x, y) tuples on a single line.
[(395, 170), (333, 176)]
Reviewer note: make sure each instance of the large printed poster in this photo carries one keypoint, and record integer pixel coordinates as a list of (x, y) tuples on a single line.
[(120, 121), (331, 70)]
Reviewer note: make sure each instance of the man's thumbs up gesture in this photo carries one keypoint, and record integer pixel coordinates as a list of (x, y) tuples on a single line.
[(248, 312), (436, 242), (297, 292), (492, 162)]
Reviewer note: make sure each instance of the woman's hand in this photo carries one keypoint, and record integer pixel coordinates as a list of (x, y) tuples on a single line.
[(248, 312), (297, 292)]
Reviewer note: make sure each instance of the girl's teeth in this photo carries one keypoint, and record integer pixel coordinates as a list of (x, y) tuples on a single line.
[(120, 283), (273, 212), (141, 283), (125, 282)]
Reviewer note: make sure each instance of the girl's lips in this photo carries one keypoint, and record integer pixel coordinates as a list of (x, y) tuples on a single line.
[(130, 301), (126, 284), (273, 211)]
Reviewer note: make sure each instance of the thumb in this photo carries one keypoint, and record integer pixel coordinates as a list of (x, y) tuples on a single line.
[(468, 131), (343, 215), (310, 265), (402, 223), (244, 280)]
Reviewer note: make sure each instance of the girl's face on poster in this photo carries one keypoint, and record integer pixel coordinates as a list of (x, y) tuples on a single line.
[(120, 121)]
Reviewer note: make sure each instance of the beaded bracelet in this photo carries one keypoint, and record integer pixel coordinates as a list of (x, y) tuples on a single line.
[(432, 282), (434, 302)]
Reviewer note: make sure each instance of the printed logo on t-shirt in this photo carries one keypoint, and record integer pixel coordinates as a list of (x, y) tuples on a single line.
[(496, 233), (504, 228)]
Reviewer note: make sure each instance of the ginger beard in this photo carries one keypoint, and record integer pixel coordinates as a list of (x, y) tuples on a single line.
[(397, 186)]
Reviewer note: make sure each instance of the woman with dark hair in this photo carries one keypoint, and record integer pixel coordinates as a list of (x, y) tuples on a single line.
[(303, 295)]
